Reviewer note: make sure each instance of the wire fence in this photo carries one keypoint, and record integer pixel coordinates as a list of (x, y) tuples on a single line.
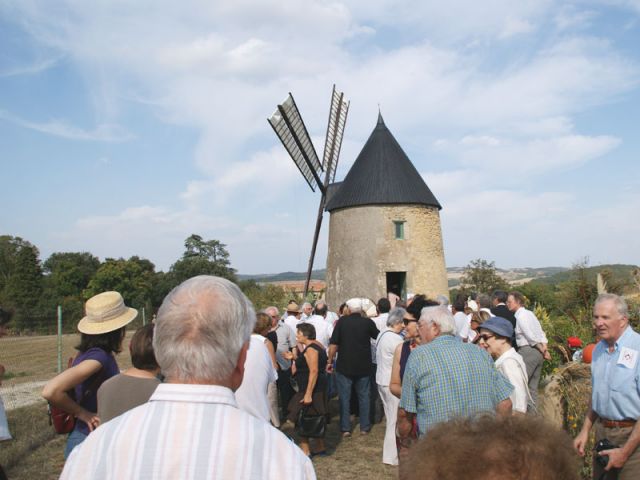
[(31, 360)]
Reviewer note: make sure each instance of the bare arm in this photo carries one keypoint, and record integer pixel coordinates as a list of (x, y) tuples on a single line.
[(503, 409), (395, 383), (55, 391), (404, 431), (311, 356), (583, 437), (333, 348), (272, 353)]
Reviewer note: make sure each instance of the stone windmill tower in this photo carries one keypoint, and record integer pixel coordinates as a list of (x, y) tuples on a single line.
[(384, 229)]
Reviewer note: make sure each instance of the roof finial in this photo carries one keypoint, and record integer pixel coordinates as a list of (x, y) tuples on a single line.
[(380, 120)]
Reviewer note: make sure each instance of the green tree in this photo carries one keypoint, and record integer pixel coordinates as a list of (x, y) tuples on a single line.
[(481, 276), (69, 273), (577, 295), (133, 278), (203, 257), (263, 295), (21, 280)]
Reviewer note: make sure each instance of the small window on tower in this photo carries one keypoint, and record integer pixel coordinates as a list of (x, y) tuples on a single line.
[(399, 228)]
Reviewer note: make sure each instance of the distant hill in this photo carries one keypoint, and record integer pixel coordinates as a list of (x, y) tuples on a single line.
[(284, 276), (620, 273), (514, 275)]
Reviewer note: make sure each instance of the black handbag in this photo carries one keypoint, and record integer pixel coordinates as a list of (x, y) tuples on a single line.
[(308, 425)]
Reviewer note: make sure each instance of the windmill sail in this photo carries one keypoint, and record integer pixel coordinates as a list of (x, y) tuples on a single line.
[(335, 130), (290, 129)]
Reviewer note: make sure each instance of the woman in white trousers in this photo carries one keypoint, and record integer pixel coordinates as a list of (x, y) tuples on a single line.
[(386, 345)]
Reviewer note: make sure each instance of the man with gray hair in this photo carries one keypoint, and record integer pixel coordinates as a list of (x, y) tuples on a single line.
[(445, 378), (192, 427), (615, 397)]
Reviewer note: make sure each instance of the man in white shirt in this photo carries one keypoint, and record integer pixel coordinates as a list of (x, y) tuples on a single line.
[(192, 428), (307, 312), (330, 317), (530, 339), (292, 319), (252, 395), (460, 318), (323, 328)]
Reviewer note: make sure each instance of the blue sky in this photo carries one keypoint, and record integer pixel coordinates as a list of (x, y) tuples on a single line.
[(127, 126)]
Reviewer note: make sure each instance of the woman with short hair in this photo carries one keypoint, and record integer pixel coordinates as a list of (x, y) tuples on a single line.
[(495, 338), (386, 345), (102, 331), (135, 385)]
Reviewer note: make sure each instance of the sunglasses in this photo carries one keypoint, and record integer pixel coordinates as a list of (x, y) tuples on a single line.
[(485, 337), (407, 321)]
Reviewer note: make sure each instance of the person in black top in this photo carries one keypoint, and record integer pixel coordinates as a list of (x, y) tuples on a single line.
[(311, 378), (499, 309), (352, 339)]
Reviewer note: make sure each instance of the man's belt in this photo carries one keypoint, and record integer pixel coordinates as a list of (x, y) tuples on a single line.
[(617, 423)]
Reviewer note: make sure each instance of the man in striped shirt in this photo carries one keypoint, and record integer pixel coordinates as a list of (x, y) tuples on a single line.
[(192, 428)]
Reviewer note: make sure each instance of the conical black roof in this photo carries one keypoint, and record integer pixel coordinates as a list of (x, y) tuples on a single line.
[(382, 175)]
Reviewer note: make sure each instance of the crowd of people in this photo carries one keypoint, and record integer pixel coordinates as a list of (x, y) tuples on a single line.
[(215, 386)]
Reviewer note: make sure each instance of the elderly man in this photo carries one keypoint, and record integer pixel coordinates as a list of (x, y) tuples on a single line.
[(615, 396), (530, 339), (324, 329), (351, 337), (446, 378), (192, 428), (286, 343), (307, 312)]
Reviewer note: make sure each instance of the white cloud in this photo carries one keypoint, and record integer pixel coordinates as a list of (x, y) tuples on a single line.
[(30, 69), (59, 128)]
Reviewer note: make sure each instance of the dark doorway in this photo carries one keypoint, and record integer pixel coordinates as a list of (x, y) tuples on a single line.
[(397, 283)]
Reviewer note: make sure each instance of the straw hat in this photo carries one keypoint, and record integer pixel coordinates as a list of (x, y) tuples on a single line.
[(105, 313), (293, 307)]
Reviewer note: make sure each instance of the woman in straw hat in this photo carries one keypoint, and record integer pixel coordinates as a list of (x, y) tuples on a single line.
[(102, 331)]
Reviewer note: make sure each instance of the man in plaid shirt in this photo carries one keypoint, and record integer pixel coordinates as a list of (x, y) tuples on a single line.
[(446, 378)]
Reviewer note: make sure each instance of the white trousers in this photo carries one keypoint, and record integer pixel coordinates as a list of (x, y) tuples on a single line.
[(274, 412), (391, 403)]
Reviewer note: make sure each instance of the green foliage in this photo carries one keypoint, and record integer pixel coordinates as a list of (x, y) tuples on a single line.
[(133, 278), (69, 273), (264, 295), (202, 257), (21, 279), (558, 329), (540, 294), (481, 276)]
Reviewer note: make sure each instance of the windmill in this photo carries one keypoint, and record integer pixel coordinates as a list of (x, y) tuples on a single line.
[(287, 123)]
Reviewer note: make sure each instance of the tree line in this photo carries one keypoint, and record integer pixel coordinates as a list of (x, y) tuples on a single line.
[(31, 289)]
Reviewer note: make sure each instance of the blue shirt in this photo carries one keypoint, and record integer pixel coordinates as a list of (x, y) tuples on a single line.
[(446, 378), (616, 382)]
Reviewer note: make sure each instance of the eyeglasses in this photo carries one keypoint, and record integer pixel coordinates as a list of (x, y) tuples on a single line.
[(407, 321), (485, 337)]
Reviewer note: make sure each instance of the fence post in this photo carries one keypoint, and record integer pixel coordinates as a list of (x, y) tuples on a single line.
[(59, 339), (144, 318)]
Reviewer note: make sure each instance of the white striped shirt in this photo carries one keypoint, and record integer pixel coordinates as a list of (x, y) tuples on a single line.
[(188, 432)]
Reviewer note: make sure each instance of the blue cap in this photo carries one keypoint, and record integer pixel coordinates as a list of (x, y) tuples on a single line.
[(499, 326)]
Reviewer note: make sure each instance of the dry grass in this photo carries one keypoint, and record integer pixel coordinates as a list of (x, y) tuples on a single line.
[(35, 451)]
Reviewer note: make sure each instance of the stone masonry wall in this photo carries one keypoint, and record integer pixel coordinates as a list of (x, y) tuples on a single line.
[(363, 247)]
